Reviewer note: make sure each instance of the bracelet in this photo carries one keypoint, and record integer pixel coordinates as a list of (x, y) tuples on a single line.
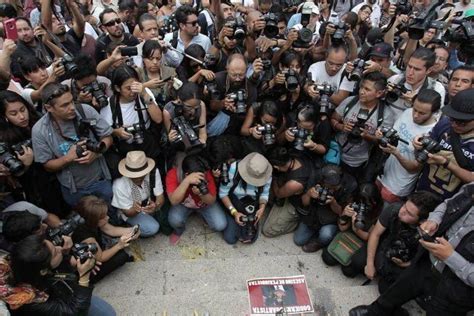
[(233, 211)]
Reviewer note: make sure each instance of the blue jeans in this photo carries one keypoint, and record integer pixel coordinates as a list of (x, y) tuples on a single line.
[(233, 231), (148, 224), (101, 189), (304, 233), (99, 307), (212, 214)]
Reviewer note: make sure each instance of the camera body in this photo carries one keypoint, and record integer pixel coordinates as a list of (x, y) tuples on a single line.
[(429, 146), (403, 6), (397, 90), (300, 137), (399, 250), (240, 99), (137, 131), (202, 187), (186, 132), (271, 25), (362, 209), (291, 78), (355, 136), (325, 105), (55, 234), (356, 74), (268, 134), (69, 65), (224, 173), (97, 91), (18, 147), (96, 147), (211, 87), (338, 37), (323, 194), (83, 251), (390, 136), (239, 27), (9, 160), (249, 230)]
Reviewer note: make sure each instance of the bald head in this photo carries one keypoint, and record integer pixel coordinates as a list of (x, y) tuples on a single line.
[(236, 67)]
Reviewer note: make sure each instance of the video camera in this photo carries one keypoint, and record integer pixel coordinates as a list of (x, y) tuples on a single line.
[(271, 25), (300, 137), (186, 132), (268, 134), (418, 26), (325, 105), (356, 74), (9, 160), (55, 235), (239, 27), (429, 146), (338, 37), (390, 136), (69, 65), (399, 250), (83, 251), (97, 91), (240, 99), (305, 35), (397, 90), (355, 136), (291, 78)]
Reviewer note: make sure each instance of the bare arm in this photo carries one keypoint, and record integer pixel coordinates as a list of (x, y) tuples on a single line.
[(374, 238), (290, 188)]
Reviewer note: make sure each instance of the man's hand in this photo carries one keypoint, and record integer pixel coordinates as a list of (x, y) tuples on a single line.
[(313, 192), (122, 133), (330, 29), (194, 178), (84, 97), (207, 74), (291, 38), (226, 31), (172, 135), (371, 66), (259, 214), (27, 157), (369, 271), (389, 149), (150, 208), (264, 43), (400, 263), (117, 54), (349, 35), (279, 79), (417, 142), (72, 152), (41, 33), (313, 92), (237, 217), (349, 67), (289, 136), (9, 47), (392, 9), (257, 66), (4, 171), (309, 144), (67, 245), (441, 250), (58, 71), (258, 25), (87, 158), (435, 159), (229, 104), (429, 227), (348, 126), (409, 96), (255, 133)]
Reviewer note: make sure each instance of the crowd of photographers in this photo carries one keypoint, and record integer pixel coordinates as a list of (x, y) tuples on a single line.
[(347, 123)]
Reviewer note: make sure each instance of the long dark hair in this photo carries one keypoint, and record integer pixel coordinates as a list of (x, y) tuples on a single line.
[(119, 76), (10, 133), (271, 108)]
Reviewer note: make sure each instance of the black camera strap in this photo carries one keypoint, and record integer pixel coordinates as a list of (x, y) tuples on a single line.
[(117, 112), (174, 40), (83, 116), (461, 159)]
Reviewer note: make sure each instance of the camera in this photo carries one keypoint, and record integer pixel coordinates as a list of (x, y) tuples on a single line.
[(18, 147), (355, 136), (202, 187), (356, 74), (186, 132), (464, 35), (390, 136), (393, 95), (305, 35), (137, 132), (268, 133), (429, 146), (238, 25), (399, 250), (267, 65), (83, 251), (248, 230), (338, 37), (69, 65), (239, 98), (210, 61), (211, 87), (271, 25), (325, 105), (9, 160), (96, 147), (291, 78), (403, 6), (362, 210), (97, 91), (300, 137), (225, 173), (55, 234), (323, 194), (129, 51)]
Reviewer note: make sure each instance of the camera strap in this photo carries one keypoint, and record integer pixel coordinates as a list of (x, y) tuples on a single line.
[(117, 112), (461, 159), (174, 40), (83, 116)]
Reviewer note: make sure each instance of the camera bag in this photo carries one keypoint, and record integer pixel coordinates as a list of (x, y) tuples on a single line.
[(343, 246)]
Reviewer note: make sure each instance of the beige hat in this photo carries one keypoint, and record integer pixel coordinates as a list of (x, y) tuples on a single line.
[(255, 169), (136, 165)]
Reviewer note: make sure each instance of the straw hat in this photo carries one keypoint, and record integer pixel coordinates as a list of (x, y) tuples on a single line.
[(255, 169), (136, 165)]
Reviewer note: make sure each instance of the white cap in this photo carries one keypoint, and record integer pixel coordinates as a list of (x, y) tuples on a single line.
[(310, 4)]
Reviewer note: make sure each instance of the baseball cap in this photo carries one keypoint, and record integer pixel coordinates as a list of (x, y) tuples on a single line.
[(383, 50)]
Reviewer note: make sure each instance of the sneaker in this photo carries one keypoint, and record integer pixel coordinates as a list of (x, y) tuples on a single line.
[(312, 246), (361, 310), (174, 239)]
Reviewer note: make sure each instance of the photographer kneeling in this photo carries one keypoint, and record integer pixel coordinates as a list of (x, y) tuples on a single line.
[(34, 262)]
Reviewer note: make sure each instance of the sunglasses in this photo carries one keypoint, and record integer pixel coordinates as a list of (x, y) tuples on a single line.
[(113, 22), (193, 23), (62, 89), (459, 122)]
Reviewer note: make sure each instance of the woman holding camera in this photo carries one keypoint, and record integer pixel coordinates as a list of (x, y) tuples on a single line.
[(33, 264), (17, 118), (133, 113), (99, 231), (191, 70)]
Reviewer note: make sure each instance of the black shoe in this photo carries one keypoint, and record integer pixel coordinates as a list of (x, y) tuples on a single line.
[(361, 310)]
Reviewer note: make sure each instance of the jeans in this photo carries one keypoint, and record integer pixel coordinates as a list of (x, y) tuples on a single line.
[(148, 224), (99, 307), (233, 231), (218, 124), (212, 214), (304, 233), (101, 189)]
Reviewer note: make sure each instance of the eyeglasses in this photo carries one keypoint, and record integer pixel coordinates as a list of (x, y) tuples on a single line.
[(62, 89), (459, 122), (112, 22), (193, 23)]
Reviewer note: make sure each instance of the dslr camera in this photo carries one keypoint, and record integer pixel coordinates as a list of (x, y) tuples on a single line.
[(186, 132), (240, 99), (224, 178), (18, 147), (323, 194), (300, 137), (202, 187), (325, 105), (9, 160), (271, 25), (390, 136), (268, 134), (248, 230), (403, 6), (83, 251), (429, 146), (356, 74), (362, 210), (305, 35), (55, 235), (69, 65), (393, 95), (291, 78), (137, 131), (338, 37), (238, 25), (211, 87), (400, 250), (96, 147), (97, 91), (355, 136)]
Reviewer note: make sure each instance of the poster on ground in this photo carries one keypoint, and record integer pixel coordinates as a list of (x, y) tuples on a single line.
[(279, 296)]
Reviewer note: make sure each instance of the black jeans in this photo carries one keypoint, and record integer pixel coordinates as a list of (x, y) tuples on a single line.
[(417, 280)]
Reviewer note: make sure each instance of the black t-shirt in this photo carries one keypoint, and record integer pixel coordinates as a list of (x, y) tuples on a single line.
[(73, 43)]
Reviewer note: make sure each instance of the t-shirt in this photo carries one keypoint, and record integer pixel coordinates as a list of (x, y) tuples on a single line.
[(401, 105), (355, 154), (28, 207), (319, 75), (48, 144), (191, 200), (388, 214), (122, 189), (436, 178), (396, 178), (129, 114)]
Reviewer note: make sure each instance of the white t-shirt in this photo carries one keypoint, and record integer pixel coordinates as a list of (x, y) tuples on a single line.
[(122, 189), (401, 105), (396, 178), (320, 76)]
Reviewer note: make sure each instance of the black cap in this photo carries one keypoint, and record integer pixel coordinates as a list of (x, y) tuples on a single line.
[(332, 175), (461, 106), (383, 50)]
